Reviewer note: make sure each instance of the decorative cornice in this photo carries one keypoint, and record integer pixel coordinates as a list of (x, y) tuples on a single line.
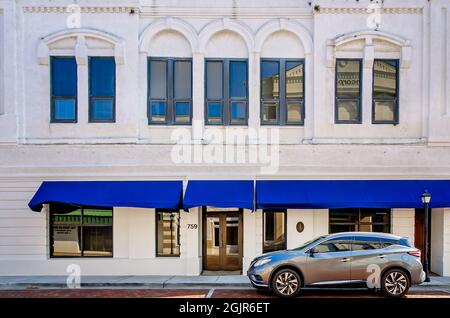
[(42, 9), (365, 11)]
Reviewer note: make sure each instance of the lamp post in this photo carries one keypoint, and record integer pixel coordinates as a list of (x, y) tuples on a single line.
[(426, 198)]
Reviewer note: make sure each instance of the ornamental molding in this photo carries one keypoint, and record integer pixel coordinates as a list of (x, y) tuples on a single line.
[(369, 49), (365, 11), (80, 49), (42, 9)]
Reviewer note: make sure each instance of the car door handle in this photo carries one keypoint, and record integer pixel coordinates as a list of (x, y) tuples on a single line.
[(381, 256), (345, 259)]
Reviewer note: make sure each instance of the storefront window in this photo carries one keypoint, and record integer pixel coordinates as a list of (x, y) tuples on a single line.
[(167, 233), (360, 220), (82, 232), (274, 231)]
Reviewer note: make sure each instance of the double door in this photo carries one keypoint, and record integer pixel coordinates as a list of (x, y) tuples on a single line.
[(222, 241)]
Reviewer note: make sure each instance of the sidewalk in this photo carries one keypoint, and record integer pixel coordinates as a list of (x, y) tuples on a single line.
[(168, 282), (225, 281)]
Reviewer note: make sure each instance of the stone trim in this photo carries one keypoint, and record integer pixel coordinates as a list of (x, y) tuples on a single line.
[(42, 9), (364, 11)]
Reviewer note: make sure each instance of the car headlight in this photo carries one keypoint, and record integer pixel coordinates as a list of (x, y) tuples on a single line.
[(261, 262)]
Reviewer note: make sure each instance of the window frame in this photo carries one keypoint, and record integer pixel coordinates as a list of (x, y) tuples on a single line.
[(226, 100), (170, 99), (284, 211), (349, 239), (358, 223), (53, 98), (282, 100), (396, 100), (337, 99), (178, 232), (51, 239), (91, 118)]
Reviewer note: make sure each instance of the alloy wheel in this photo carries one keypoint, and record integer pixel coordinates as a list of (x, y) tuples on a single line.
[(286, 283), (396, 283)]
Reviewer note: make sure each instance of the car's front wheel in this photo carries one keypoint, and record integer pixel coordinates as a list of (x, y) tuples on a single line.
[(395, 283), (286, 283)]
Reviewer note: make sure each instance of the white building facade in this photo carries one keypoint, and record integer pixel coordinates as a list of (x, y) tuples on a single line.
[(113, 90)]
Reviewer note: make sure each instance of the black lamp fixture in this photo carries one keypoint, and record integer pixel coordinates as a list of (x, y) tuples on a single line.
[(426, 198)]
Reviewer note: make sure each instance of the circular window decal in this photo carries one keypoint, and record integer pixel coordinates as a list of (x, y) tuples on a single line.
[(300, 227)]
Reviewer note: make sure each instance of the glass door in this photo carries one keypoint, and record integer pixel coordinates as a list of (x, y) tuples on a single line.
[(222, 241)]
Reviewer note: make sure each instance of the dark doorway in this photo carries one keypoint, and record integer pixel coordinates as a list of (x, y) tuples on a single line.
[(419, 232)]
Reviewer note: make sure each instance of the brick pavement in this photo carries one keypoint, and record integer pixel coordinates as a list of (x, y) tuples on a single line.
[(197, 293)]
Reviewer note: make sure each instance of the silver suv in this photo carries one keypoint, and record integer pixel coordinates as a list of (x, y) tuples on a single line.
[(381, 261)]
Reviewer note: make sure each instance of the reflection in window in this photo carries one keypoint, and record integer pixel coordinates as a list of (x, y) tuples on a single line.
[(366, 243), (81, 232), (226, 92), (331, 246), (360, 220), (167, 233), (282, 91), (274, 231), (63, 89), (102, 89), (385, 91), (348, 91), (169, 91)]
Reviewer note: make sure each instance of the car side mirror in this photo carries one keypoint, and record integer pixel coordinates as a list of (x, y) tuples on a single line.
[(313, 251)]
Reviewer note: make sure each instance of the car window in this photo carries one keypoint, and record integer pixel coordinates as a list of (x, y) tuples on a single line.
[(366, 243), (331, 246), (388, 242)]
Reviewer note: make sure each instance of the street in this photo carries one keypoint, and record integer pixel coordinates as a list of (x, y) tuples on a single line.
[(202, 293)]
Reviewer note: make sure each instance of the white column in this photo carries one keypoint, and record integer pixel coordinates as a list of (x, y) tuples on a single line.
[(309, 96), (251, 239), (440, 241), (254, 90), (190, 241), (142, 99), (198, 95), (83, 93), (367, 75)]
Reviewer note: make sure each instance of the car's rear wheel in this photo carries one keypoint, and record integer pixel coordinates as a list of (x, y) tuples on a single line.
[(286, 283), (395, 283)]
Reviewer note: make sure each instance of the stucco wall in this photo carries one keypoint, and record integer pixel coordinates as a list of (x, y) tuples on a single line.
[(32, 149)]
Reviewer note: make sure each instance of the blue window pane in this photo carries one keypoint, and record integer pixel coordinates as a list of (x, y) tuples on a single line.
[(270, 80), (238, 79), (215, 112), (182, 110), (238, 111), (158, 111), (102, 75), (64, 76), (102, 109), (64, 109)]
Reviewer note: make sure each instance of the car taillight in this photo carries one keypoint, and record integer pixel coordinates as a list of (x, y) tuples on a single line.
[(415, 253)]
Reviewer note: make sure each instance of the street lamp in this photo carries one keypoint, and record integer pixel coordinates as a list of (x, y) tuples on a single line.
[(426, 198)]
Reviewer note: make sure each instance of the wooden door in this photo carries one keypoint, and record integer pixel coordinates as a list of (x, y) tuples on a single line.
[(222, 241)]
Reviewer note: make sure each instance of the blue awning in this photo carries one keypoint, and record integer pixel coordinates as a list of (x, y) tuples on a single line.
[(140, 194), (219, 193), (326, 194)]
